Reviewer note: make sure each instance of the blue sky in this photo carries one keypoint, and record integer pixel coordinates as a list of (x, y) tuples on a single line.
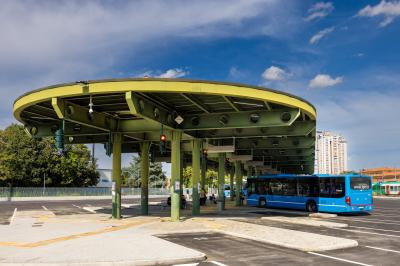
[(343, 56)]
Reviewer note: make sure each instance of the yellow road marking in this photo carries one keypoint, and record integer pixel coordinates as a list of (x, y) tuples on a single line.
[(75, 236)]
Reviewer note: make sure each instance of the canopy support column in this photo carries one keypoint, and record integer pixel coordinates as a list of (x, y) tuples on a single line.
[(232, 174), (196, 176), (175, 174), (221, 181), (116, 176), (203, 171), (238, 177), (144, 176)]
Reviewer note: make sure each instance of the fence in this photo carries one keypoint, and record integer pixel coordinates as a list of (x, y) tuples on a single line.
[(7, 192)]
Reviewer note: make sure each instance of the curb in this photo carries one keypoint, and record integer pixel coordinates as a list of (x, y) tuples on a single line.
[(172, 261), (303, 221), (352, 243), (322, 215), (387, 197)]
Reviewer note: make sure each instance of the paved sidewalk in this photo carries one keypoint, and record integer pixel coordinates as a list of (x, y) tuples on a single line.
[(40, 238)]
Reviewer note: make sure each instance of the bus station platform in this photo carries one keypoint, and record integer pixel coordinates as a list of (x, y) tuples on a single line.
[(40, 237)]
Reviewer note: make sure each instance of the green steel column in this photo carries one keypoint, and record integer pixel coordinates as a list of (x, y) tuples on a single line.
[(116, 176), (175, 174), (249, 171), (221, 181), (144, 176), (182, 167), (238, 177), (203, 171), (196, 176), (232, 174), (241, 181)]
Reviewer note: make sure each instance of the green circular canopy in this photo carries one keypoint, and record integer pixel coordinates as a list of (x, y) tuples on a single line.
[(270, 130)]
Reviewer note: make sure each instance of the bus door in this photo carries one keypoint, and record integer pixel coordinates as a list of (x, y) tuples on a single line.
[(332, 191), (251, 195)]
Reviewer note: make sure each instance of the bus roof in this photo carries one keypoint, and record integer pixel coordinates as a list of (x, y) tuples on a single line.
[(316, 175)]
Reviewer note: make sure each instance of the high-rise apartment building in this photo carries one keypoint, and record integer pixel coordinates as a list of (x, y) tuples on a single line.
[(330, 153)]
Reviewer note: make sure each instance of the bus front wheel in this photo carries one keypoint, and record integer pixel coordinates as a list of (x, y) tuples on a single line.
[(311, 206), (262, 203)]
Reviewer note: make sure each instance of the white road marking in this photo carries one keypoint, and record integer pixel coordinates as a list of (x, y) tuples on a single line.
[(364, 232), (370, 221), (340, 259), (13, 216), (84, 208), (129, 205), (89, 209), (200, 238), (384, 249), (217, 263), (378, 229), (44, 208)]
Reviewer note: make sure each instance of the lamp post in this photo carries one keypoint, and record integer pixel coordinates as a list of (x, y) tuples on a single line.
[(44, 183)]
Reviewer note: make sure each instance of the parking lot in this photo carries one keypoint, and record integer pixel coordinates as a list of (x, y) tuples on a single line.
[(378, 234)]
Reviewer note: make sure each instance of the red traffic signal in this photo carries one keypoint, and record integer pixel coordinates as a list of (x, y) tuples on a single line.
[(163, 138)]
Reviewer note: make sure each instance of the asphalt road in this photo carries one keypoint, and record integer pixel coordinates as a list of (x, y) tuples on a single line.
[(378, 236)]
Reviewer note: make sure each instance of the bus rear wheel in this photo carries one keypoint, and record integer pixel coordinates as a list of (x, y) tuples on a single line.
[(262, 203), (311, 206)]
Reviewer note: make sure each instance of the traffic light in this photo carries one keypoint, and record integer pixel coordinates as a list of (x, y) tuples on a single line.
[(205, 153), (59, 136), (60, 140), (108, 145), (163, 140)]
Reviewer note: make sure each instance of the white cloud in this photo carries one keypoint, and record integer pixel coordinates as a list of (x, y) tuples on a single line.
[(319, 10), (274, 73), (323, 81), (173, 73), (68, 40), (317, 37), (236, 73), (389, 10)]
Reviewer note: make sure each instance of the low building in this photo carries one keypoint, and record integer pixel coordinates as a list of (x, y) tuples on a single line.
[(382, 174)]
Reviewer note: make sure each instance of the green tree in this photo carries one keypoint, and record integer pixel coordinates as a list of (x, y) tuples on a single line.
[(132, 173), (24, 161), (211, 177)]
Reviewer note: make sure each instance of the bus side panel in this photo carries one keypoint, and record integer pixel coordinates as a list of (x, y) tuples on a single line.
[(333, 205), (292, 202), (253, 200)]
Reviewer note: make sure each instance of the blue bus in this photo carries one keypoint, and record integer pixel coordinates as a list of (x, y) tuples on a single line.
[(313, 193)]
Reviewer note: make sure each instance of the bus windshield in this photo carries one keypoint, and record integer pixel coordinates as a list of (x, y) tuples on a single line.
[(360, 183)]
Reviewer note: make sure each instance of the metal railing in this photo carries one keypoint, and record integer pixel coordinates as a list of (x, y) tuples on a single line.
[(7, 192)]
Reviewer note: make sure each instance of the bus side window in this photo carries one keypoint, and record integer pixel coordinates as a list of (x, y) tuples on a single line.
[(250, 187), (261, 187)]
